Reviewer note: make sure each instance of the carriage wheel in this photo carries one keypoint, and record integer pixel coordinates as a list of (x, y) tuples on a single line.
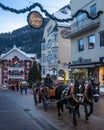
[(45, 104)]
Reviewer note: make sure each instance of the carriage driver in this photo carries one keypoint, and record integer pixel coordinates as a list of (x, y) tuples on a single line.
[(48, 81)]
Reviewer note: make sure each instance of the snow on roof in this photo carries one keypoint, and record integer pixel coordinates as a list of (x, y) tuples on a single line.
[(31, 55), (2, 55), (15, 49), (63, 13)]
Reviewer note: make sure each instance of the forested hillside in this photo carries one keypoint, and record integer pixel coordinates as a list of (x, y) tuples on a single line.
[(26, 38)]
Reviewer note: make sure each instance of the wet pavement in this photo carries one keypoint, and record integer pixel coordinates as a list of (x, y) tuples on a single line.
[(20, 113), (17, 112)]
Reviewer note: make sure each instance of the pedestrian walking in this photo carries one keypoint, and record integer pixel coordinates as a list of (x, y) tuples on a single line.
[(17, 86), (26, 88), (21, 88)]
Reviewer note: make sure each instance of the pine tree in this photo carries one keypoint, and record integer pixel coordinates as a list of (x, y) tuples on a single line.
[(34, 73)]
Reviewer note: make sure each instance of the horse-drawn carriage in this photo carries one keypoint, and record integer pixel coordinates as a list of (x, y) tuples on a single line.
[(80, 93), (69, 96), (44, 95)]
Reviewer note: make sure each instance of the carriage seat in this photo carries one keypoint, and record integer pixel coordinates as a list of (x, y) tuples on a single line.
[(52, 92)]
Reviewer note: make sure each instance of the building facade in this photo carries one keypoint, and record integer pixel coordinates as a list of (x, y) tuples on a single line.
[(87, 40), (15, 66), (55, 49)]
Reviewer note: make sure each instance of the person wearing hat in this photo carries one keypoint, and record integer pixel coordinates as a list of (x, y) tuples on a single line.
[(48, 81)]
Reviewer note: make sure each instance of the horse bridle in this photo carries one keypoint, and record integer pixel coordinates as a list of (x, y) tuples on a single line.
[(79, 95)]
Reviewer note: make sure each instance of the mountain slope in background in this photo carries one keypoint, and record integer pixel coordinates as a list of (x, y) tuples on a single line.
[(26, 38)]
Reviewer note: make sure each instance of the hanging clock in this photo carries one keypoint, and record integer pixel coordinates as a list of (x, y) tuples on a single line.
[(35, 19)]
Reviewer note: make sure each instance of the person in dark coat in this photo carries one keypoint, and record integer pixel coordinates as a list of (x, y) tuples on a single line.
[(17, 86), (48, 81)]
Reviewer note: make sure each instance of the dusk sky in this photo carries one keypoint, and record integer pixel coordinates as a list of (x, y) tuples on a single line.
[(10, 21)]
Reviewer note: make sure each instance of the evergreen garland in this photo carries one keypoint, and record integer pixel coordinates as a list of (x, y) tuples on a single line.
[(24, 10)]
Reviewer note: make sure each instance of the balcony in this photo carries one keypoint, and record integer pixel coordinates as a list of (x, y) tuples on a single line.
[(16, 68), (83, 26), (15, 76)]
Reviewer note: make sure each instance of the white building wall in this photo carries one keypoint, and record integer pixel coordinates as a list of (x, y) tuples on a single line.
[(64, 55), (63, 46), (88, 53), (84, 4)]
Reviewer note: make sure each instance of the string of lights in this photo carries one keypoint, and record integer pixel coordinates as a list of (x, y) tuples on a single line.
[(24, 10)]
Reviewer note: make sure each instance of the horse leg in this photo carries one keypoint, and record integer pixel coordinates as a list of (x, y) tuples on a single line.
[(86, 112), (70, 110), (59, 109), (74, 116), (77, 109), (91, 109)]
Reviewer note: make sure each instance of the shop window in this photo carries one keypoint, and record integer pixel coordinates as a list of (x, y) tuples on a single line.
[(81, 44), (91, 41), (102, 38)]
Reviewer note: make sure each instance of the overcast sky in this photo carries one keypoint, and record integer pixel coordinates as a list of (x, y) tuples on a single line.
[(10, 21)]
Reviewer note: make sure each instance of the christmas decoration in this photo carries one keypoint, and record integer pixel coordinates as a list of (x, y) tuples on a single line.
[(24, 10)]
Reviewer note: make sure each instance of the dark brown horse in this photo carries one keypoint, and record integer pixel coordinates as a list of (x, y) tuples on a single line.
[(91, 96), (71, 97)]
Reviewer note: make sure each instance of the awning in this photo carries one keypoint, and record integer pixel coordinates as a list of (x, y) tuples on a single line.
[(87, 65), (82, 66)]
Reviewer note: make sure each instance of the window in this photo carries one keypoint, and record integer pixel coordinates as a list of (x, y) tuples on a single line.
[(81, 18), (27, 73), (49, 57), (49, 43), (43, 71), (16, 72), (102, 38), (43, 47), (49, 30), (93, 10), (27, 65), (64, 11), (91, 42), (5, 73), (81, 44)]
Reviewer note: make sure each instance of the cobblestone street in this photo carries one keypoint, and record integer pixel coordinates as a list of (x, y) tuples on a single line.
[(26, 102), (96, 121)]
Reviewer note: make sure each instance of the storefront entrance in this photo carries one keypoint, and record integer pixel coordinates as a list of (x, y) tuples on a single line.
[(101, 76), (85, 73)]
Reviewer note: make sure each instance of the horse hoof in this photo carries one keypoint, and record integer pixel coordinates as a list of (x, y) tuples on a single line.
[(74, 126), (78, 115), (60, 117), (86, 121)]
